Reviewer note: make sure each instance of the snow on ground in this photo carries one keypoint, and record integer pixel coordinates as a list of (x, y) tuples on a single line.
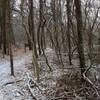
[(14, 88)]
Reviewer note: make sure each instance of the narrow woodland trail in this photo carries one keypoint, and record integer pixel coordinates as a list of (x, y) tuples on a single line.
[(11, 87), (19, 63), (15, 88)]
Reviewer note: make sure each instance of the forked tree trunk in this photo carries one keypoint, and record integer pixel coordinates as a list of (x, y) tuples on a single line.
[(34, 59)]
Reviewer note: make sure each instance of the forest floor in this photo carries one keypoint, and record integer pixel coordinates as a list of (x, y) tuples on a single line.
[(63, 83), (14, 88)]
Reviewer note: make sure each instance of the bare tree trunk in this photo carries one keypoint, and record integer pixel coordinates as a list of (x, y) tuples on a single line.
[(80, 31), (4, 26), (34, 59), (0, 37), (68, 29), (11, 57), (31, 25), (41, 27), (29, 43), (38, 39), (0, 25), (8, 28), (56, 31)]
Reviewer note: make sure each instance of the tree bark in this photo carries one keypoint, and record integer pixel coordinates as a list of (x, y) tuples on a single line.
[(31, 25), (4, 26), (68, 29), (80, 32), (8, 30)]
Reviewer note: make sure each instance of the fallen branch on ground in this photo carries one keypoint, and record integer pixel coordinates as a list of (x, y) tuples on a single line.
[(29, 87), (31, 84), (89, 81), (11, 82), (30, 90), (58, 98)]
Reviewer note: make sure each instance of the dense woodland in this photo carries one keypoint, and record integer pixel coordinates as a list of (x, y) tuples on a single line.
[(62, 38)]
